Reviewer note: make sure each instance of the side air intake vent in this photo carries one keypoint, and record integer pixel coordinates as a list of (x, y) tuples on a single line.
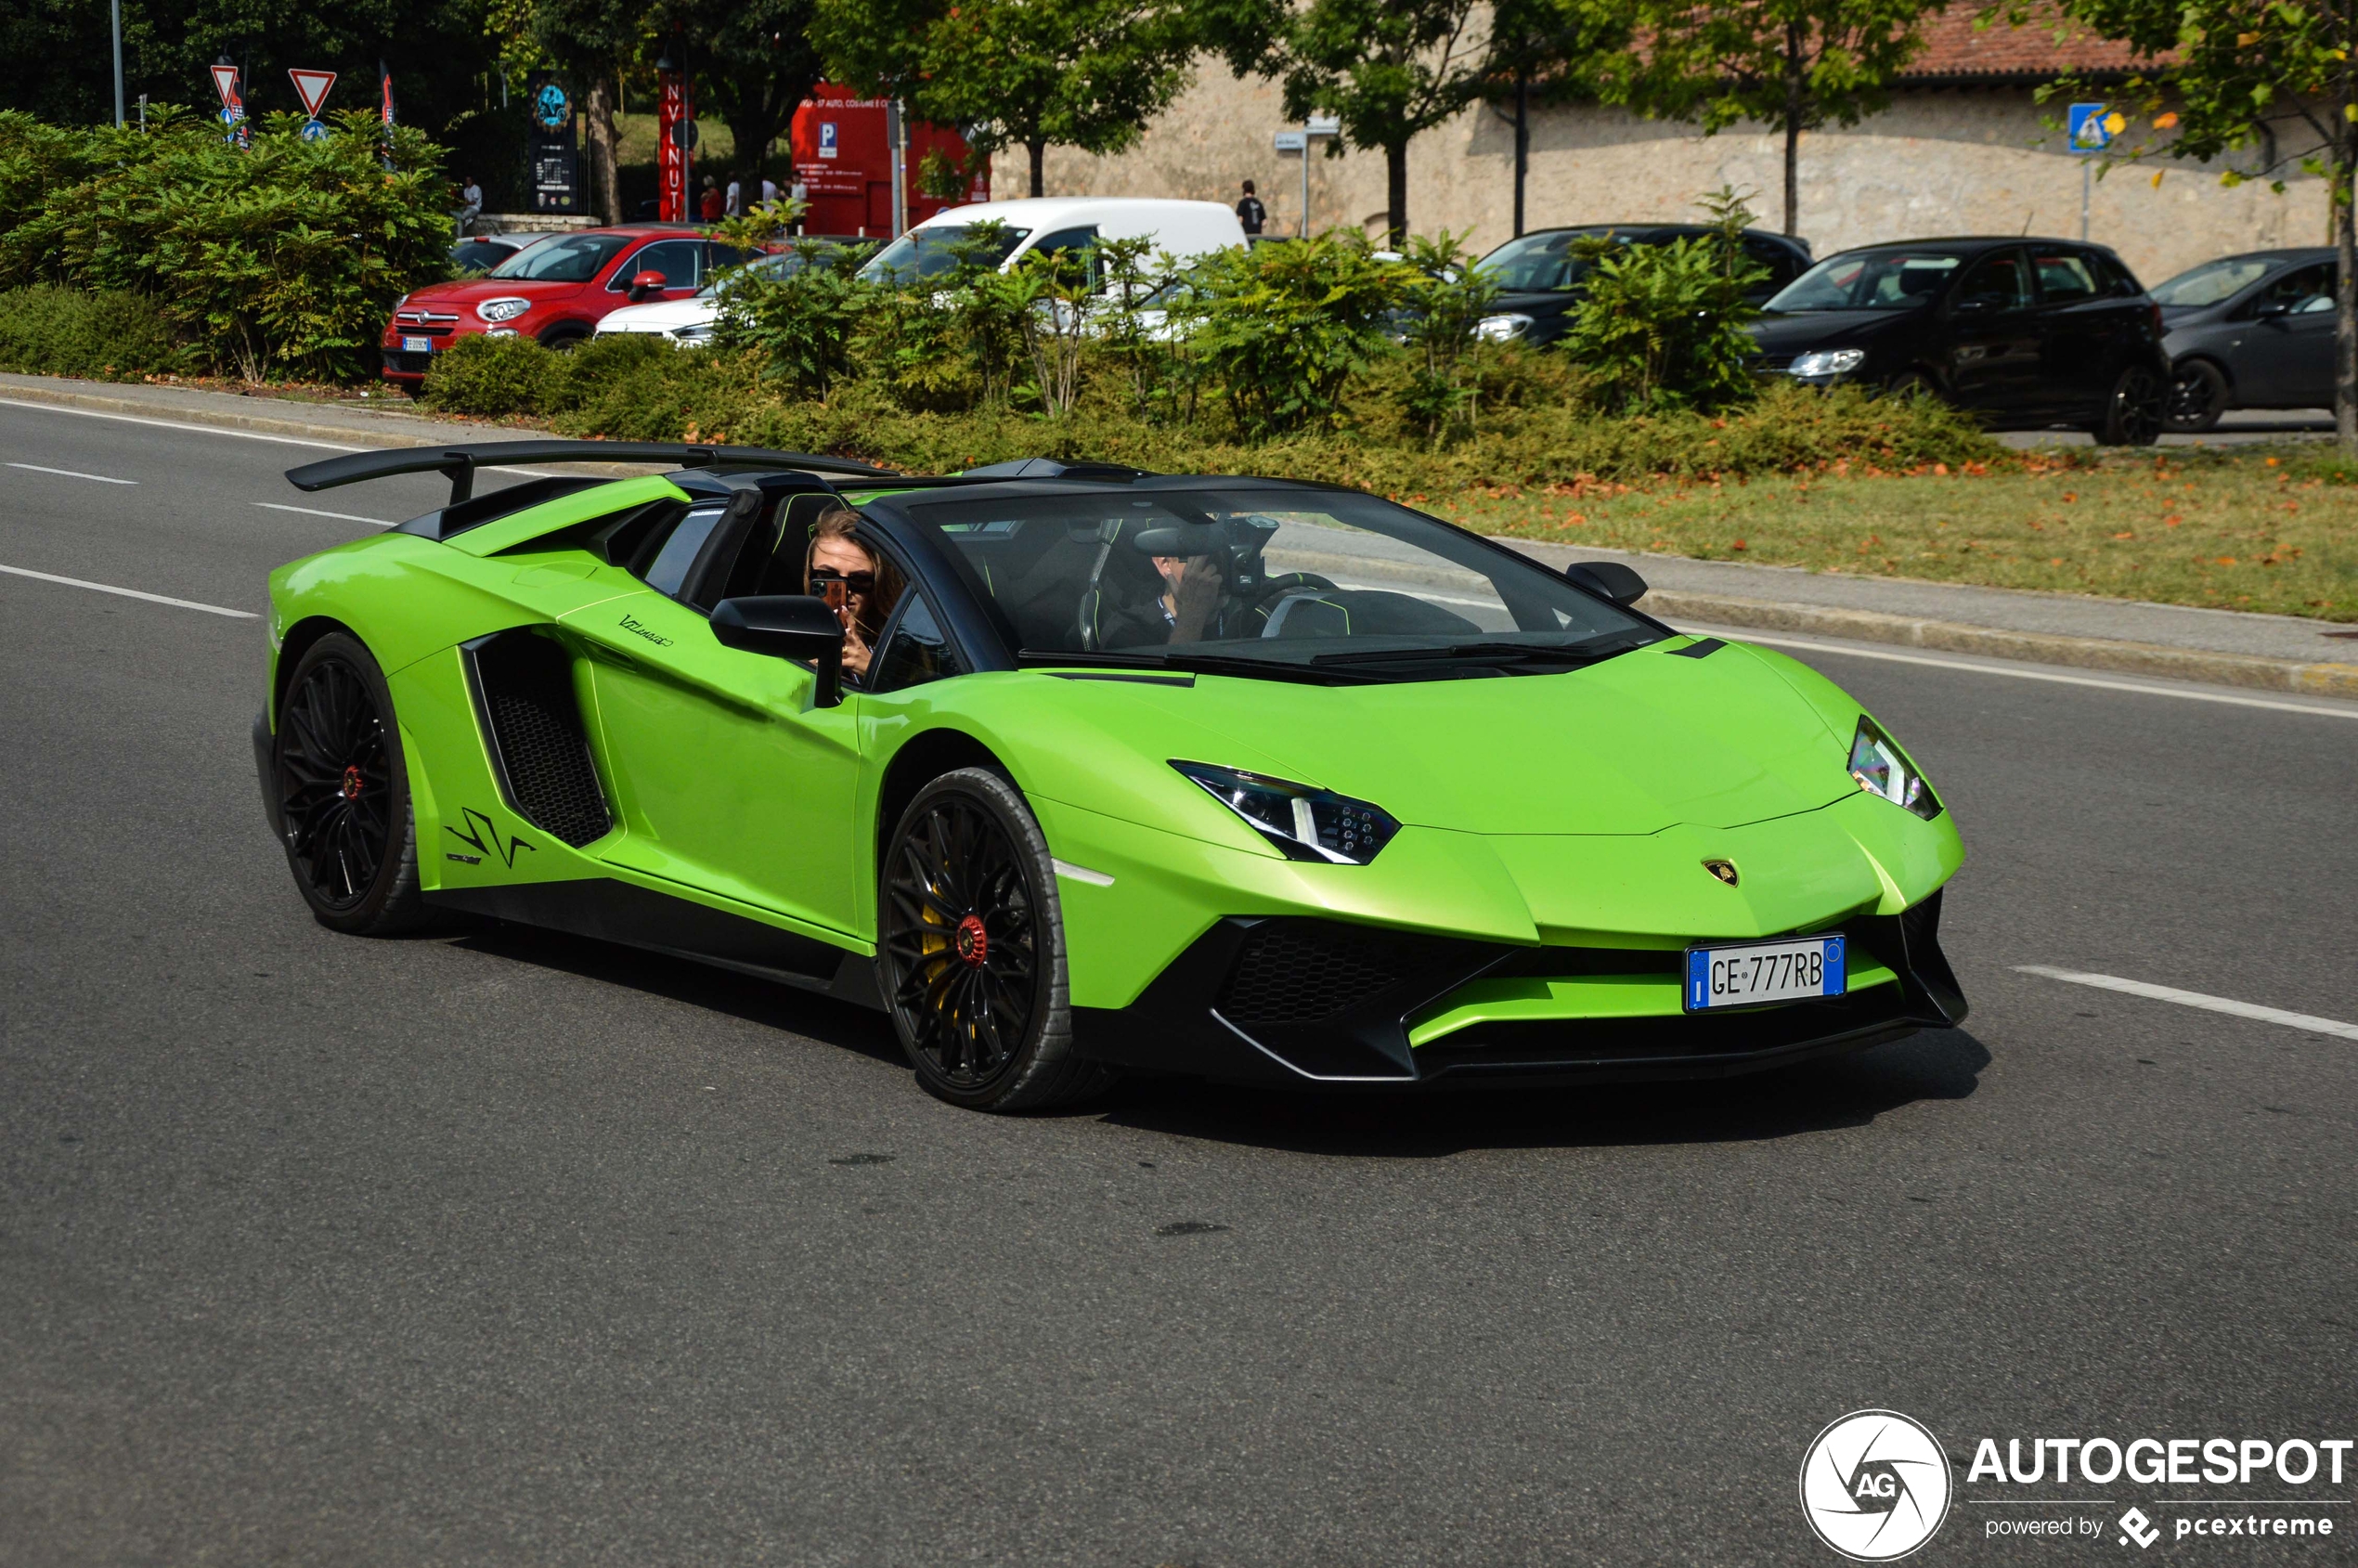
[(523, 694)]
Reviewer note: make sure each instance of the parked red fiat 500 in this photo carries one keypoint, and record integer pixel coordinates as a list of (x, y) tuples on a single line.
[(555, 289)]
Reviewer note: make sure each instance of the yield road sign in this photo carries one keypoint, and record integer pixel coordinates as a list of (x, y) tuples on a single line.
[(312, 87), (224, 82)]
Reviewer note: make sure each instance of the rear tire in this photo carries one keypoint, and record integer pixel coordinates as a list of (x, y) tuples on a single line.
[(1911, 384), (2134, 413), (344, 793), (970, 951), (2197, 397)]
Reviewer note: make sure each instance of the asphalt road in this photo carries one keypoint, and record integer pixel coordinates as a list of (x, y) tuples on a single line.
[(502, 1248)]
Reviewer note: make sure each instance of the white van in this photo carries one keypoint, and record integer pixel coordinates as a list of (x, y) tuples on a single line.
[(1180, 229)]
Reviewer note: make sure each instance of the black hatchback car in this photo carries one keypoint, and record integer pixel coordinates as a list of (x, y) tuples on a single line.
[(2027, 334), (1541, 275), (2250, 331)]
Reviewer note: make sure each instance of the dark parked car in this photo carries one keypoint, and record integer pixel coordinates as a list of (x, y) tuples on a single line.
[(1540, 275), (2250, 331), (481, 252), (2025, 333)]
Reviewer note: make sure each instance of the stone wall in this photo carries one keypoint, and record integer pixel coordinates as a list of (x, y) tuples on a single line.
[(1942, 161)]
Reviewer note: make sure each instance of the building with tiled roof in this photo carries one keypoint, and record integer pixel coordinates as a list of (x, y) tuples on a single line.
[(1964, 148)]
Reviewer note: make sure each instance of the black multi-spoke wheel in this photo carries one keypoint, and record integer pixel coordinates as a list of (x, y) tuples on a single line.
[(343, 798), (2197, 397), (971, 954), (2133, 414)]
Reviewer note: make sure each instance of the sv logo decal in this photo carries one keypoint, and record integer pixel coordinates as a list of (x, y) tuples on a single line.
[(483, 834)]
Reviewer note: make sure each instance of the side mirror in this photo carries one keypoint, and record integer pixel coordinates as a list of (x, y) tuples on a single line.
[(786, 626), (648, 282), (1608, 580)]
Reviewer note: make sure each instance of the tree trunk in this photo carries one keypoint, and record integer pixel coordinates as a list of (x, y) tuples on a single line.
[(1395, 194), (605, 188), (1039, 150), (1793, 127), (2345, 154)]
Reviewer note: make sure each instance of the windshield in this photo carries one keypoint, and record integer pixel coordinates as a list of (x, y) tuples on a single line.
[(564, 258), (1870, 281), (934, 250), (1536, 262), (2211, 282), (1297, 582)]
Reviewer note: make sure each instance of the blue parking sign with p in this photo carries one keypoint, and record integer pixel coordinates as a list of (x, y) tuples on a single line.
[(2090, 126), (827, 138)]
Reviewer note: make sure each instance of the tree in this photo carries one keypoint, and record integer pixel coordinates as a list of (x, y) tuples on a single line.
[(1387, 69), (1791, 64), (1549, 52), (755, 65), (2232, 65), (1028, 74)]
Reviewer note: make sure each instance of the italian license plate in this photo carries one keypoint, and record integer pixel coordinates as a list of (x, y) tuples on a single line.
[(416, 345), (1754, 973)]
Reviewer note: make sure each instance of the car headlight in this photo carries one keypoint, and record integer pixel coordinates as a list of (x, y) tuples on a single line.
[(1308, 824), (696, 333), (1502, 329), (1828, 362), (1878, 767), (502, 310)]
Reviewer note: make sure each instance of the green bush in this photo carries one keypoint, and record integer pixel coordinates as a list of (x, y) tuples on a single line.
[(495, 378), (1663, 326), (1281, 330), (49, 330), (282, 259)]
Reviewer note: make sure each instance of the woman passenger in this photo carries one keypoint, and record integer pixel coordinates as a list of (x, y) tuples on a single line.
[(870, 586)]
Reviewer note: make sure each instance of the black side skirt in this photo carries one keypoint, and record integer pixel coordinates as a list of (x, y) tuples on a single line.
[(622, 912)]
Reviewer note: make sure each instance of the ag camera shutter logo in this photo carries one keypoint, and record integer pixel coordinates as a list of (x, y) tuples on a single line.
[(1875, 1485)]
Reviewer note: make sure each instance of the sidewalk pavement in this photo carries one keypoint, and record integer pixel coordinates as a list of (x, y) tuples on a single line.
[(2222, 647)]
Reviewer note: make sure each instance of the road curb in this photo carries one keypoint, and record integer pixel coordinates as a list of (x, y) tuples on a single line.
[(2322, 680), (261, 424), (2083, 653)]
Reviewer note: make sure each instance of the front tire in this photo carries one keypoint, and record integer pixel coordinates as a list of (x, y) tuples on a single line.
[(970, 952), (344, 793), (2134, 413), (2197, 397)]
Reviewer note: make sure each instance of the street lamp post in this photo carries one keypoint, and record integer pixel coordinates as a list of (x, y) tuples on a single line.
[(114, 10)]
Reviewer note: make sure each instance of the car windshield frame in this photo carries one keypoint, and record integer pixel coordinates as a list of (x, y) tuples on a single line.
[(1433, 600), (1809, 293), (561, 255), (934, 247), (2261, 267)]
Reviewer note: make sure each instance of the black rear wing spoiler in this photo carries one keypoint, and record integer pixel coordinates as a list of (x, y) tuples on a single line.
[(458, 464)]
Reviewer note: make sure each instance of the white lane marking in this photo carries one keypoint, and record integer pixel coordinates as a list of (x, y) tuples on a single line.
[(1739, 634), (1081, 874), (70, 473), (339, 516), (2196, 999), (174, 424), (6, 401), (131, 593)]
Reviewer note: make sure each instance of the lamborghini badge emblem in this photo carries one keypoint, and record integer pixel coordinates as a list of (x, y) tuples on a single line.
[(1724, 870)]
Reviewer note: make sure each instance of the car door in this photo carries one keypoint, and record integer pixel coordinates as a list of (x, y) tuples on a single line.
[(1993, 337), (2083, 332), (2284, 356), (1782, 262), (728, 777)]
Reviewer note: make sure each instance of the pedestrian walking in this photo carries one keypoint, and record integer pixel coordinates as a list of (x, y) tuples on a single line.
[(710, 205), (1250, 213), (769, 191), (734, 203), (470, 203)]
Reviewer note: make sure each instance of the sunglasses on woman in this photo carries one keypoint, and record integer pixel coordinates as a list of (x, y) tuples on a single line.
[(853, 582)]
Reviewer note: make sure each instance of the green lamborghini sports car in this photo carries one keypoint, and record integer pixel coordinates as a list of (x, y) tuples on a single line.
[(1073, 769)]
